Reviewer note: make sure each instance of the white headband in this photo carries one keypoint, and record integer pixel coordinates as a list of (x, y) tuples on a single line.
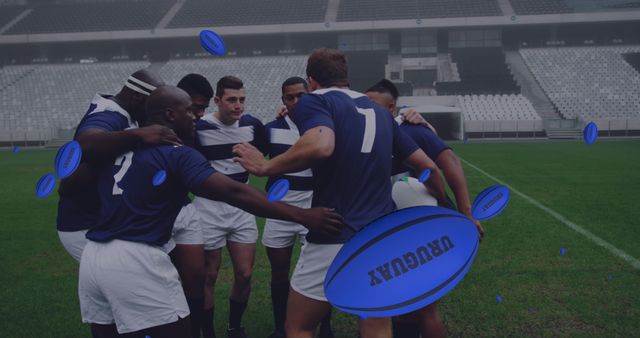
[(139, 86)]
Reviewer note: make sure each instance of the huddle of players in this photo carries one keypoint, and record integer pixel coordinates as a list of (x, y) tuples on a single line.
[(128, 284)]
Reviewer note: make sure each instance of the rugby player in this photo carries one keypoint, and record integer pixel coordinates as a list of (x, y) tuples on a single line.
[(127, 283), (280, 236), (108, 129), (427, 320), (188, 255), (347, 140), (223, 224)]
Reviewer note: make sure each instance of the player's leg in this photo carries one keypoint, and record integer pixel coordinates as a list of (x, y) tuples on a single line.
[(430, 322), (406, 325), (307, 302), (171, 330), (304, 314), (280, 259), (213, 259), (188, 257), (241, 243), (242, 258), (189, 260), (278, 239), (375, 327)]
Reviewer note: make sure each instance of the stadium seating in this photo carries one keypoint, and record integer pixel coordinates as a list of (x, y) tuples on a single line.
[(592, 82), (496, 107), (358, 10), (7, 13), (91, 17), (530, 7), (57, 96), (482, 71), (206, 13), (262, 77)]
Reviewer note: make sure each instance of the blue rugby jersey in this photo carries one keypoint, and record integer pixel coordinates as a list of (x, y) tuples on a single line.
[(215, 141), (79, 209), (355, 179), (425, 138), (281, 134), (132, 208)]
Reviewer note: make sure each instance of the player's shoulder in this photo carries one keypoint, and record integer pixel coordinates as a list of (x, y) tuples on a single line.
[(103, 105), (249, 120), (278, 123), (207, 122), (416, 129)]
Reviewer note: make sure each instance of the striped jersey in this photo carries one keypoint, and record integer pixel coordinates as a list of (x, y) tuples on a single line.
[(215, 141), (281, 135)]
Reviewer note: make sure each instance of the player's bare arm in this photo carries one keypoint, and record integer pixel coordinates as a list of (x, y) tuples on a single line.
[(454, 173), (221, 188), (316, 144), (99, 146), (419, 161), (413, 117)]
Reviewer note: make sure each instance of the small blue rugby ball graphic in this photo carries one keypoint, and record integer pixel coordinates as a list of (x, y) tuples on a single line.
[(490, 202), (159, 178), (45, 185), (402, 262), (67, 159), (278, 190), (212, 42), (590, 133)]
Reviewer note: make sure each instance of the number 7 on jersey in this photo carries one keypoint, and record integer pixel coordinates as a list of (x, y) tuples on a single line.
[(369, 129)]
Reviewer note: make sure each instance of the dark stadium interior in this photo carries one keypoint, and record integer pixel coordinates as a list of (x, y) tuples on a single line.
[(485, 63)]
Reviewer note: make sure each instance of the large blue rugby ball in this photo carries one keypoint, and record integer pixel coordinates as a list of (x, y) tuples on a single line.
[(402, 262)]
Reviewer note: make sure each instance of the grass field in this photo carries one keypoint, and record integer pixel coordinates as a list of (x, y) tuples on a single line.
[(588, 292)]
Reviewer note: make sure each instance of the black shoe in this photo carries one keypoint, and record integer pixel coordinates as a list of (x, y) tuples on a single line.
[(326, 332), (237, 333), (277, 335)]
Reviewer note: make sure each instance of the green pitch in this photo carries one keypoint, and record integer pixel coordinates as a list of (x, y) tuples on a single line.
[(588, 292)]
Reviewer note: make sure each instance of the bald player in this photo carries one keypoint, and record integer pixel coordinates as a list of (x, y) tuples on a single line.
[(108, 129), (127, 283)]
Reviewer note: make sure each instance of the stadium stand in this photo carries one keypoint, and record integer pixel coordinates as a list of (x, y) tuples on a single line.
[(206, 13), (10, 75), (590, 82), (496, 107), (359, 10), (634, 60), (91, 17), (57, 96), (7, 13), (262, 77), (482, 71), (531, 7)]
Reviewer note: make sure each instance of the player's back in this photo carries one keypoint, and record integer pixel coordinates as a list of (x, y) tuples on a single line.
[(132, 207), (355, 179)]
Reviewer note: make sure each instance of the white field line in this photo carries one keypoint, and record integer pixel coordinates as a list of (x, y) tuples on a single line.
[(577, 228)]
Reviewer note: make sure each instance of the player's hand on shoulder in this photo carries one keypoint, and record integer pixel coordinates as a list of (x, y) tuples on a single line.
[(282, 112), (324, 221), (413, 117), (157, 134), (250, 158)]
